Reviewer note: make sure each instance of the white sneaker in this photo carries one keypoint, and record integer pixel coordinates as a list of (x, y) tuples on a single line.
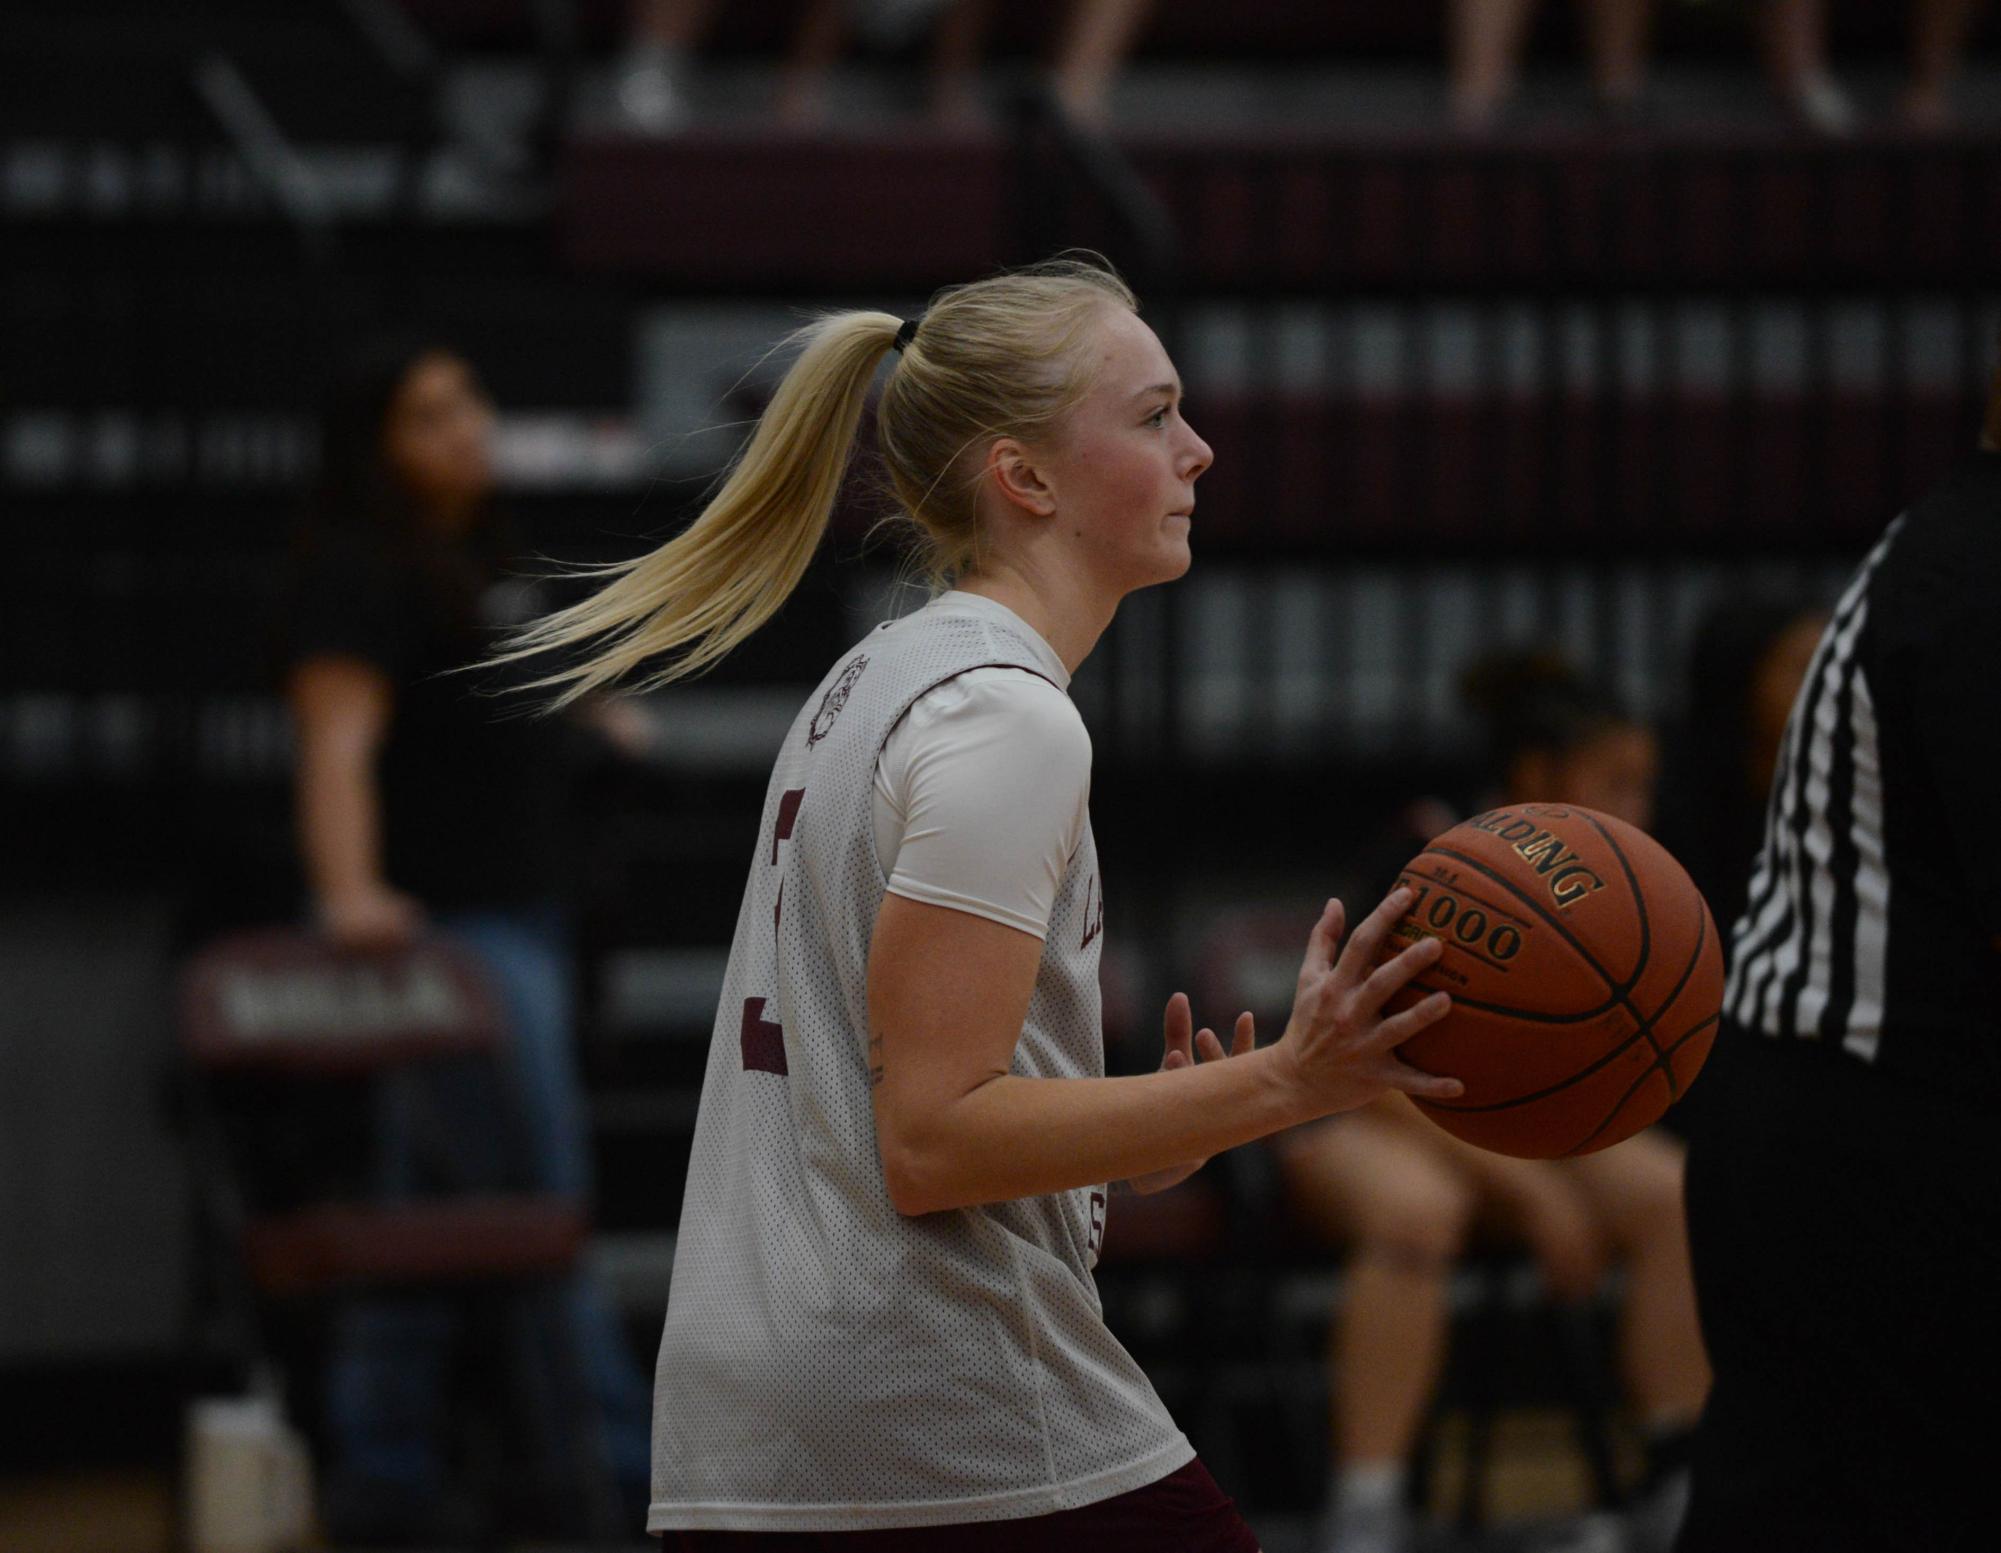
[(1654, 1520), (1819, 103), (652, 90), (1599, 1532), (1365, 1531)]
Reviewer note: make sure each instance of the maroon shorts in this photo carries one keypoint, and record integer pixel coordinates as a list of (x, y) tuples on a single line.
[(1185, 1512)]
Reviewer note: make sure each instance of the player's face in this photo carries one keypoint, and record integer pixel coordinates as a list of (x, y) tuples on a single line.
[(1125, 463), (1614, 774), (437, 437)]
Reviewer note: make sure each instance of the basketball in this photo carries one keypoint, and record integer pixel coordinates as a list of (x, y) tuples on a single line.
[(1585, 975)]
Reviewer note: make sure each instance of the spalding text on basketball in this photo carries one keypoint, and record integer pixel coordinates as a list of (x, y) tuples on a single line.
[(1569, 880)]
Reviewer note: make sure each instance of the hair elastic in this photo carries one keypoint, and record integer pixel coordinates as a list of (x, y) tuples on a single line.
[(905, 334)]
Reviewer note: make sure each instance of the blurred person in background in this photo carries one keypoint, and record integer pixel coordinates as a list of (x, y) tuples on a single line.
[(1485, 49), (420, 810), (1407, 1198), (653, 75), (1795, 42)]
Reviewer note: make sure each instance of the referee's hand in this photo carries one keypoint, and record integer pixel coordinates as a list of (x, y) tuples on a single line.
[(1339, 1048)]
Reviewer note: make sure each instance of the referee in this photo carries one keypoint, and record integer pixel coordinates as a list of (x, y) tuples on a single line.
[(1843, 1189)]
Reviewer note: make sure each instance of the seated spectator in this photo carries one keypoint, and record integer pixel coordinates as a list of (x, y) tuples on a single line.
[(1407, 1198), (421, 809)]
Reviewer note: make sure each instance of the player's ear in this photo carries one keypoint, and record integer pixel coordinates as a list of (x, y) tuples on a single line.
[(1019, 478)]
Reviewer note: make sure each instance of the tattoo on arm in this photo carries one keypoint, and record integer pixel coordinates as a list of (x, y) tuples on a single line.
[(875, 1059)]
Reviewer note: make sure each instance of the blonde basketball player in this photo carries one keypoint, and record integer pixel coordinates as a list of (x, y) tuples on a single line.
[(883, 1330)]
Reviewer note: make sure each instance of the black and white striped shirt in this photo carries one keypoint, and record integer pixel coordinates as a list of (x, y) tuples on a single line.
[(1874, 920)]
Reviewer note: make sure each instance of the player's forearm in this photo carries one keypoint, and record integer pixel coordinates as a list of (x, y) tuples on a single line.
[(1017, 1137)]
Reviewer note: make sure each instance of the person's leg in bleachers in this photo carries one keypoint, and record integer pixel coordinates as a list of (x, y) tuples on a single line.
[(1635, 1192), (955, 62), (1484, 49), (1096, 40), (527, 955), (1618, 31), (1939, 30), (652, 77), (1795, 41), (1404, 1212)]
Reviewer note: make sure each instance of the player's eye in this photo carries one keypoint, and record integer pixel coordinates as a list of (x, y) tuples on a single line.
[(1158, 418)]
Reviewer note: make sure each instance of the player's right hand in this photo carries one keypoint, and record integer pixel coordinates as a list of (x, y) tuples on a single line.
[(1338, 1048), (371, 917)]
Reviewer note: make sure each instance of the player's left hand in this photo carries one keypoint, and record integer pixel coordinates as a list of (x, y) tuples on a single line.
[(1186, 1046)]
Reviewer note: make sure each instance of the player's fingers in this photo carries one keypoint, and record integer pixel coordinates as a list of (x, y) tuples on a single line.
[(1423, 1086), (1391, 977), (1325, 940), (1360, 951), (1207, 1047), (1245, 1036), (1177, 1024), (1173, 1060), (1400, 1027)]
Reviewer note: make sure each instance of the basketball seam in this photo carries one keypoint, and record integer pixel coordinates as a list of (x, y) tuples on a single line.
[(1646, 944), (1643, 1031), (1676, 1045), (1619, 991)]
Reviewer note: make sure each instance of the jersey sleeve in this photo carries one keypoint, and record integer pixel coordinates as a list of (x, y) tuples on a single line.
[(991, 775)]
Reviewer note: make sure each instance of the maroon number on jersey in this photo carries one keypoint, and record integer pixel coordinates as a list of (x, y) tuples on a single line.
[(763, 1040)]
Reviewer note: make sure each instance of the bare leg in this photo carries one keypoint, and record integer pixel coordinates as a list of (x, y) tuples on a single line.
[(1404, 1208), (1635, 1190), (802, 89), (652, 78), (955, 61), (1387, 1349), (1095, 44), (1486, 48), (1618, 30), (674, 24), (1796, 55), (1938, 40)]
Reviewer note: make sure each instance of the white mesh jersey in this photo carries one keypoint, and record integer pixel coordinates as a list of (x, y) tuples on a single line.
[(827, 1363)]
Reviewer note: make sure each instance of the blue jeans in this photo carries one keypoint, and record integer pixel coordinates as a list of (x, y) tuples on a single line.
[(481, 1125)]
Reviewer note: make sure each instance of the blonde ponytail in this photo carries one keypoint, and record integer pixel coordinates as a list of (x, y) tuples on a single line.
[(703, 592), (999, 357)]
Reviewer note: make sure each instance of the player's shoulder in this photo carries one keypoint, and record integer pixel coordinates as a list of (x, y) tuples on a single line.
[(1015, 699)]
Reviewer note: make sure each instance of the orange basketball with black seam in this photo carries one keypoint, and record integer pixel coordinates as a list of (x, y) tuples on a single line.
[(1585, 974)]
